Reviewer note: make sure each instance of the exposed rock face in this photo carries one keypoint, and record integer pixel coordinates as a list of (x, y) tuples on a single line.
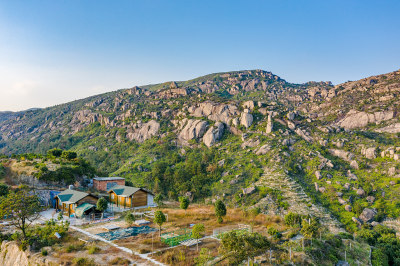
[(246, 119), (392, 171), (360, 192), (263, 150), (215, 112), (357, 221), (194, 129), (249, 105), (371, 199), (251, 143), (354, 164), (249, 190), (348, 208), (393, 128), (303, 134), (369, 153), (88, 117), (345, 155), (213, 134), (318, 175), (368, 215), (147, 131), (342, 201), (291, 115), (355, 119), (270, 126), (10, 254)]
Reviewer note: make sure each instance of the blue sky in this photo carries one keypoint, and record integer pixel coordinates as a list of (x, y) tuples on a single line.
[(57, 51)]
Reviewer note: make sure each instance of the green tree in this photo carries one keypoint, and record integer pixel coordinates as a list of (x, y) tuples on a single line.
[(237, 247), (54, 152), (272, 231), (159, 219), (203, 257), (292, 219), (102, 205), (310, 228), (197, 232), (22, 207), (184, 203), (130, 218), (69, 155), (220, 210), (4, 190), (159, 199)]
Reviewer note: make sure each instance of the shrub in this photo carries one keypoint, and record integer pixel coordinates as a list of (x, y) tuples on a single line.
[(120, 261), (83, 262), (44, 252), (93, 249), (292, 219), (272, 231)]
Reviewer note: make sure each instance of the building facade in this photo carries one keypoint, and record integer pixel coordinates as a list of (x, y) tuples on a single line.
[(131, 197), (69, 200), (106, 183)]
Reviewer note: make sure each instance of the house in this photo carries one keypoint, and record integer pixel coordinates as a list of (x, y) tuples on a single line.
[(105, 183), (131, 197), (75, 203)]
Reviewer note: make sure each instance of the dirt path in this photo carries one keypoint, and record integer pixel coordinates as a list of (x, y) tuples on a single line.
[(127, 250)]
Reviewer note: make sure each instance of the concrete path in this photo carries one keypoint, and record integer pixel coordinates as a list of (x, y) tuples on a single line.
[(143, 256)]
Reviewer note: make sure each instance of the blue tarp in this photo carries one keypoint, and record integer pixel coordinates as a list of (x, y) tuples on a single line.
[(53, 194), (127, 232)]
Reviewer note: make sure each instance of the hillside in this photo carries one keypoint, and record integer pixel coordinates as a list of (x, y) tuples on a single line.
[(249, 137)]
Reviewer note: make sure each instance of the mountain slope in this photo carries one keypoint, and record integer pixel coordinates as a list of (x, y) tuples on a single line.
[(216, 137)]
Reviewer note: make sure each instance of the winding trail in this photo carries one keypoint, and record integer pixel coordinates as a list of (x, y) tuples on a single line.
[(143, 256)]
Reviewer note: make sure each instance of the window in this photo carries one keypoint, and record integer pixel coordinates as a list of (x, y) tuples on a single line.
[(112, 196)]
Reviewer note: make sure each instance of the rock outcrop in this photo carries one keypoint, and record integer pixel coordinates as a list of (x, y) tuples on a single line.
[(215, 111), (368, 215), (246, 119), (345, 155), (213, 134), (194, 129), (355, 119), (145, 132), (270, 126)]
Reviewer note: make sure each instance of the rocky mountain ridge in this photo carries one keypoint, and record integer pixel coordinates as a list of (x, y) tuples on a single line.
[(339, 143)]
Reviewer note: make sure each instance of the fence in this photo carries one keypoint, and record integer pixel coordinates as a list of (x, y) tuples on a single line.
[(174, 238), (240, 228)]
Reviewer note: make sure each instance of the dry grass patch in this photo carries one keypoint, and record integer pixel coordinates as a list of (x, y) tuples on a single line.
[(186, 255)]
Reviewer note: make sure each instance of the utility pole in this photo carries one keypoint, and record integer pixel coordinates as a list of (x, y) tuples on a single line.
[(270, 256), (152, 242)]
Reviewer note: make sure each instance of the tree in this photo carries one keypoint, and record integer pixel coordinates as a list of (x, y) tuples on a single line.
[(272, 231), (310, 228), (54, 152), (69, 155), (197, 232), (159, 218), (184, 203), (159, 199), (102, 205), (220, 210), (130, 218), (237, 247), (4, 190), (203, 257), (22, 207), (293, 219)]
